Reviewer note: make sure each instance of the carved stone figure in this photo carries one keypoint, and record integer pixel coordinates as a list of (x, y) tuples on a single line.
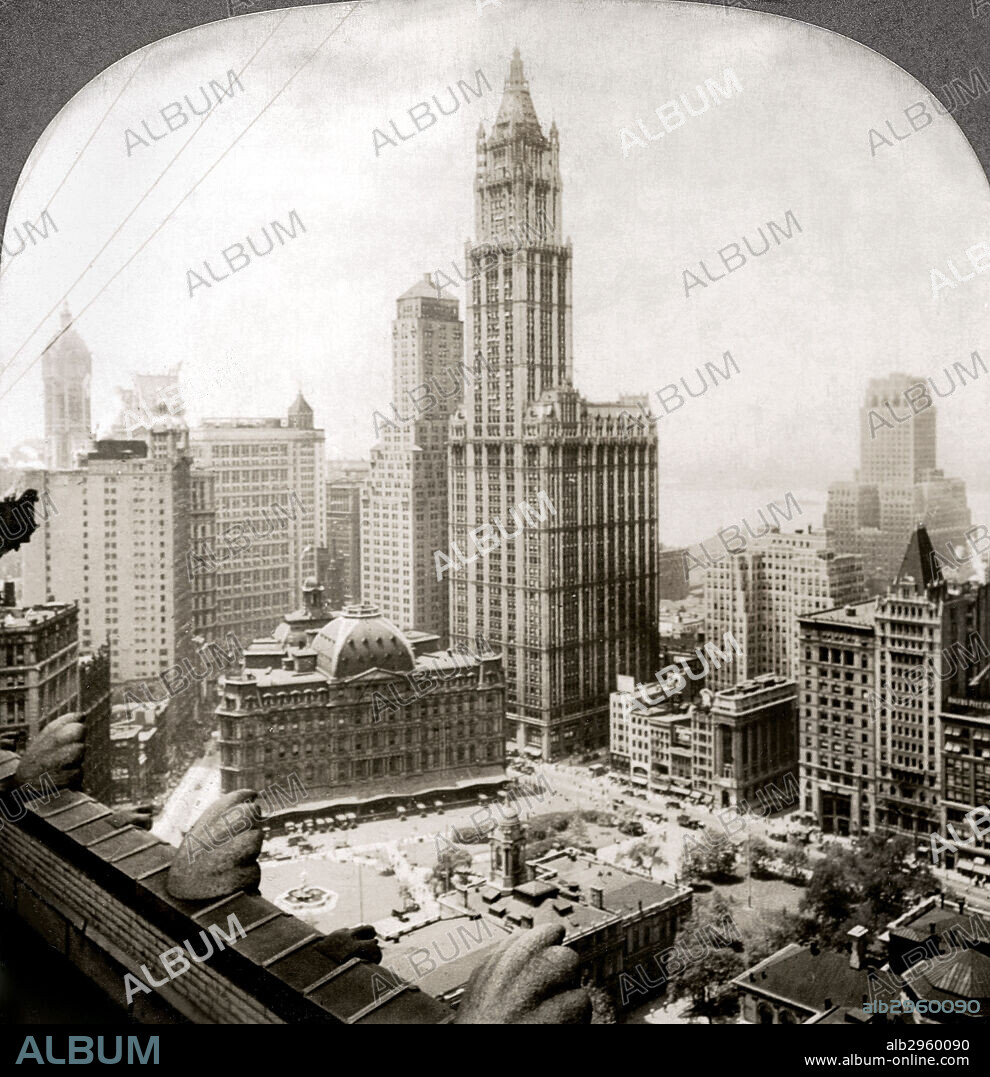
[(218, 856)]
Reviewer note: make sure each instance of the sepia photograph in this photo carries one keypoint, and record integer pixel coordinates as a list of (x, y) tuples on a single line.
[(495, 524)]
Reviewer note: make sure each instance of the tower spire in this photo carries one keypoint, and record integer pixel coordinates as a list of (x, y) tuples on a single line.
[(517, 105)]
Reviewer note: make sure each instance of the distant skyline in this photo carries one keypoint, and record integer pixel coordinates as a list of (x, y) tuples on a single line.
[(847, 299)]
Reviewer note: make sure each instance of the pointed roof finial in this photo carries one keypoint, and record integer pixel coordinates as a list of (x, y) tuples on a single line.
[(517, 105), (516, 79)]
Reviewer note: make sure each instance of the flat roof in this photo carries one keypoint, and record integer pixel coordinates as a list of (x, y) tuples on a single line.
[(852, 615)]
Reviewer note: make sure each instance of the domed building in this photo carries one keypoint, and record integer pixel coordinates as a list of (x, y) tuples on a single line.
[(358, 710)]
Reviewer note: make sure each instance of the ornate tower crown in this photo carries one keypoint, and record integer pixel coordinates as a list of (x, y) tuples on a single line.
[(517, 106), (518, 176)]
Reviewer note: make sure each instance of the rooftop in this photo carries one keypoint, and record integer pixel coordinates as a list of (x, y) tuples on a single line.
[(13, 618), (855, 615), (814, 980)]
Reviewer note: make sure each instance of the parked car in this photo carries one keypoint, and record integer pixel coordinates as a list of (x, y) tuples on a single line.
[(632, 828), (688, 821), (675, 804)]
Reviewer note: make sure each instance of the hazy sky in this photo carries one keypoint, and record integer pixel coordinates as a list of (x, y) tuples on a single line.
[(848, 298)]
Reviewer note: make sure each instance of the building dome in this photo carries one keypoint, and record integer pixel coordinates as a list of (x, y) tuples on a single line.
[(359, 640)]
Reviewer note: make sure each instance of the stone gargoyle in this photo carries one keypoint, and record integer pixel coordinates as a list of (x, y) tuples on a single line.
[(530, 979)]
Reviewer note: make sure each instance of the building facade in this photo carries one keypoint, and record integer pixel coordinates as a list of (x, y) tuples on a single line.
[(836, 693), (39, 659), (758, 594), (343, 576), (138, 754), (571, 602), (203, 535), (95, 712), (357, 714), (897, 484), (270, 495), (119, 547), (404, 501), (673, 582), (754, 730), (66, 372), (892, 706)]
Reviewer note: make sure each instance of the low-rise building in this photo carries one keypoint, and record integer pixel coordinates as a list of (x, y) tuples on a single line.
[(138, 747), (935, 952), (39, 653), (615, 919), (810, 985), (754, 738)]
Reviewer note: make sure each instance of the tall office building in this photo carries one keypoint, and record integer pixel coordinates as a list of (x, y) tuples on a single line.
[(570, 599), (66, 371), (344, 481), (118, 546), (897, 485), (836, 712), (892, 727), (270, 495), (922, 622), (404, 502), (203, 534), (757, 596)]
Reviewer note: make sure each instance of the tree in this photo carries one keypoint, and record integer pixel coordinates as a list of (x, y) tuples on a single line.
[(644, 852), (774, 930), (448, 862), (761, 857), (602, 1006), (714, 857), (868, 884), (704, 977), (794, 861)]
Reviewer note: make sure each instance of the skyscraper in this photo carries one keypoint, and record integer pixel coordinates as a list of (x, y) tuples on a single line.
[(404, 501), (837, 714), (923, 624), (757, 595), (118, 546), (270, 514), (344, 481), (897, 485), (572, 600), (66, 370), (891, 711)]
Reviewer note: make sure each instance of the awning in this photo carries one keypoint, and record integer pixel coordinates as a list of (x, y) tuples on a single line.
[(420, 807), (437, 803), (535, 753), (482, 798), (401, 810)]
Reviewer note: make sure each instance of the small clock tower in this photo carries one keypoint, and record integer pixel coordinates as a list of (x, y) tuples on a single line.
[(508, 845)]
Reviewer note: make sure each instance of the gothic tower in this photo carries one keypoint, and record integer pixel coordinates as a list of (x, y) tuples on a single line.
[(66, 370), (569, 598)]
